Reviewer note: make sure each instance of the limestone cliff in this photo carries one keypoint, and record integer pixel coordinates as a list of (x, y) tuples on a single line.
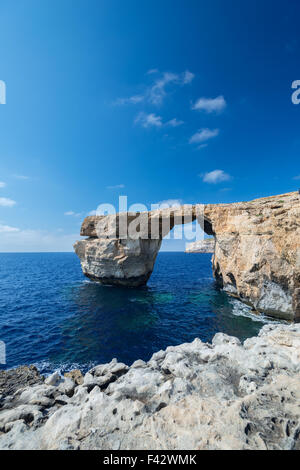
[(257, 252), (201, 246), (256, 256)]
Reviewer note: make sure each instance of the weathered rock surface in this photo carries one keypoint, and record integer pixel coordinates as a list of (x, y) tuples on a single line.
[(256, 256), (122, 248), (117, 262), (257, 252), (201, 246), (12, 380), (224, 395)]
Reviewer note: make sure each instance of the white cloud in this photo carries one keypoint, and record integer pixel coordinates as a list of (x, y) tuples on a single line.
[(6, 202), (152, 120), (174, 123), (216, 176), (21, 177), (2, 184), (135, 99), (156, 92), (116, 186), (203, 135), (7, 228), (210, 105), (188, 77), (296, 177), (202, 146), (72, 213), (148, 120), (151, 71), (170, 203)]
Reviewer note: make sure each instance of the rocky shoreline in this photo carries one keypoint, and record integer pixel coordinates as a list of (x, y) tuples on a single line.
[(224, 395)]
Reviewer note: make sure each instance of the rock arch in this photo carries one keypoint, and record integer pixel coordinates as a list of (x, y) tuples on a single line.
[(121, 249), (256, 256)]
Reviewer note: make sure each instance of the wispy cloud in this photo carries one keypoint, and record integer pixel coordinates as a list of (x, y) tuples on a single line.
[(216, 176), (73, 214), (116, 186), (210, 105), (225, 190), (148, 120), (152, 71), (135, 99), (202, 146), (187, 77), (296, 177), (6, 202), (153, 120), (203, 135), (21, 177), (7, 228), (2, 184), (157, 91), (174, 123)]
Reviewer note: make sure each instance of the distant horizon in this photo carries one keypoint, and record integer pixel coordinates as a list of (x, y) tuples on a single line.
[(168, 245)]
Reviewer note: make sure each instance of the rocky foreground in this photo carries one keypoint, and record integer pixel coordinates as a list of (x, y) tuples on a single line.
[(224, 395)]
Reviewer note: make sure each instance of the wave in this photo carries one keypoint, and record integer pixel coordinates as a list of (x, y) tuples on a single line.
[(239, 309)]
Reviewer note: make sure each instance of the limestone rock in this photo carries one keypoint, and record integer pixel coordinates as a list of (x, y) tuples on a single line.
[(224, 395), (13, 380), (201, 246), (117, 262), (75, 375), (257, 252)]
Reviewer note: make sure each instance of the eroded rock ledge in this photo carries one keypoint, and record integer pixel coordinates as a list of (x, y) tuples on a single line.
[(224, 395), (256, 256), (202, 246)]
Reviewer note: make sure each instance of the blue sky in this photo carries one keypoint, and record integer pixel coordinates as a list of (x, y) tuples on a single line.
[(156, 100)]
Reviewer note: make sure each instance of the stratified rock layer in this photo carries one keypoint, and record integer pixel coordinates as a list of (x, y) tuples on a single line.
[(257, 252), (201, 246), (256, 255), (118, 262), (122, 248), (224, 395)]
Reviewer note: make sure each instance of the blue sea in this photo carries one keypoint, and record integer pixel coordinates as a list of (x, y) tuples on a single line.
[(53, 317)]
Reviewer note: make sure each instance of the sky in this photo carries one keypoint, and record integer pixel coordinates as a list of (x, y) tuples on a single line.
[(170, 100)]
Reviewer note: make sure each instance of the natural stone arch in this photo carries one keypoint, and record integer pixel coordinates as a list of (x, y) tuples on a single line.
[(256, 254), (121, 249)]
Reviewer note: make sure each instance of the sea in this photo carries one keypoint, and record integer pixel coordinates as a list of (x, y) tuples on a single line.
[(55, 318)]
